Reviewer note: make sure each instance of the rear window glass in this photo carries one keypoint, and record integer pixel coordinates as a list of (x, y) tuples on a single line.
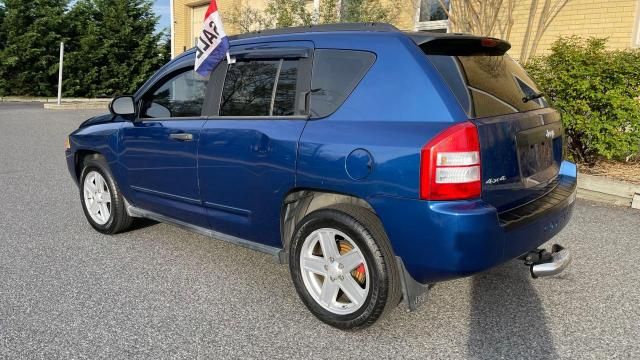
[(488, 85), (336, 73)]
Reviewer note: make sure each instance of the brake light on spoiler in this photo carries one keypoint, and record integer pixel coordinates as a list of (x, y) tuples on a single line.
[(450, 165)]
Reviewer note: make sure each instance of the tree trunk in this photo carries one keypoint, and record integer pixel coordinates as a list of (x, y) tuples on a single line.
[(527, 34)]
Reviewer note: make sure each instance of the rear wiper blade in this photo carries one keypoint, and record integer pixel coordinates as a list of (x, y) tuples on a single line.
[(528, 98)]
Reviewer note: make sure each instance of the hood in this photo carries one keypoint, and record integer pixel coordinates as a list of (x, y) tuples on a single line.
[(100, 119)]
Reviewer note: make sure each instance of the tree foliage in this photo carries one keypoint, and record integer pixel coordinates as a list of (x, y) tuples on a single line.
[(287, 13), (366, 11), (111, 46), (29, 58), (3, 38), (598, 93)]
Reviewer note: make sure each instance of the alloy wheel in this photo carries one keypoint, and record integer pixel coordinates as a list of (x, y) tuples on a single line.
[(97, 197), (334, 271)]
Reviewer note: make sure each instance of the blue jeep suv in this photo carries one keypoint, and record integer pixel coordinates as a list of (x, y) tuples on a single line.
[(374, 162)]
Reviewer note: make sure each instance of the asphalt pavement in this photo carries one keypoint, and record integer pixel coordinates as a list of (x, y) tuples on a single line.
[(67, 291)]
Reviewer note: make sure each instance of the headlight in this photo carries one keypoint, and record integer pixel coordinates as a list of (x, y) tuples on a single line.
[(67, 143)]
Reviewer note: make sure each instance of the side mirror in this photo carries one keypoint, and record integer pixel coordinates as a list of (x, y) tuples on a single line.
[(122, 105)]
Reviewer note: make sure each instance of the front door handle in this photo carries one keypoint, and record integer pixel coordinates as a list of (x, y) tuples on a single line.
[(181, 137)]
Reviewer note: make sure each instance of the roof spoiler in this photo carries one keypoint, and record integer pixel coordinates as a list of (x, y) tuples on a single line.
[(460, 45)]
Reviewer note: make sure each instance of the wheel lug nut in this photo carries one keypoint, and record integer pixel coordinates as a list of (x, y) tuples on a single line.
[(331, 259), (326, 267), (341, 277), (340, 266)]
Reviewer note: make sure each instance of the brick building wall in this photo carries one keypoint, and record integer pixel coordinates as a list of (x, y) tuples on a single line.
[(183, 18), (615, 19), (406, 16)]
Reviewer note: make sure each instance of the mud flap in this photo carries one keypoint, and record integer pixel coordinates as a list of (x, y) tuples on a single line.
[(413, 292)]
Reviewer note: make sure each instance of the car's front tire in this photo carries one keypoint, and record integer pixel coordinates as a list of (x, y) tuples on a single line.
[(343, 267), (102, 202)]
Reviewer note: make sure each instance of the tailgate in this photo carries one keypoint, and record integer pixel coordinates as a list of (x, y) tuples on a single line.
[(521, 155)]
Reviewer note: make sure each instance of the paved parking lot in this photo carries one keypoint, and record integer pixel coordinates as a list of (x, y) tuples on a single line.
[(67, 291)]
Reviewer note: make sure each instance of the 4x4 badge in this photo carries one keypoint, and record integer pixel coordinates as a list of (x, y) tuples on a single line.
[(550, 134), (496, 180)]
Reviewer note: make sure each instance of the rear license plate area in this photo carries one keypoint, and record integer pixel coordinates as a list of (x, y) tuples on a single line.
[(534, 158)]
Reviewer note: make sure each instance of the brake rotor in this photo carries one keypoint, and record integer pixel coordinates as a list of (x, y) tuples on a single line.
[(359, 273)]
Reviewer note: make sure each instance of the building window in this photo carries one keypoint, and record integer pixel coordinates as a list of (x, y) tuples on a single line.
[(432, 17)]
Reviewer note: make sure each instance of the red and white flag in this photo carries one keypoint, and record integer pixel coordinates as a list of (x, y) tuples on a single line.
[(212, 45)]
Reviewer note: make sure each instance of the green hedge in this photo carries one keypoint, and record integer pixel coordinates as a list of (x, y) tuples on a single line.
[(598, 92)]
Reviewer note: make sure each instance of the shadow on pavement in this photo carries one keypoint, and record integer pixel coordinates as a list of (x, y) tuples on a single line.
[(141, 223), (507, 316)]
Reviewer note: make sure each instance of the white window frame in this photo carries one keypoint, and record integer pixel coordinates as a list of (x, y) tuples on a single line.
[(173, 31), (636, 37), (430, 25), (194, 34)]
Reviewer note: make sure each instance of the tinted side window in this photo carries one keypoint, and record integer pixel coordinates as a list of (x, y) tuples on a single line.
[(336, 73), (248, 88), (180, 96), (284, 103), (260, 88)]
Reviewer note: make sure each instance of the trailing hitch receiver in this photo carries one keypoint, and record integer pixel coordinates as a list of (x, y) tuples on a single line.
[(543, 263)]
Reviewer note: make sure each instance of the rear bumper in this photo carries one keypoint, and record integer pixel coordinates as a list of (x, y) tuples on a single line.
[(439, 241)]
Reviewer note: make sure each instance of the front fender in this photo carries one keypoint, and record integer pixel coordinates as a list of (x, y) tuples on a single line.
[(95, 139)]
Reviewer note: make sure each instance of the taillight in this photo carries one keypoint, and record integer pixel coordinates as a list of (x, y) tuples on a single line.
[(450, 165)]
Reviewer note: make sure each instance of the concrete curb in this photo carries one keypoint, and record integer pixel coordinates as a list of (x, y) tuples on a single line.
[(77, 106), (613, 192), (53, 100)]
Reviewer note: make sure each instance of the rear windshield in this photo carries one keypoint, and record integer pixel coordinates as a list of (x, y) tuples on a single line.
[(488, 85)]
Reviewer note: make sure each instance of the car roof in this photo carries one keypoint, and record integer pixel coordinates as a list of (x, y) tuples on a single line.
[(308, 32), (313, 31)]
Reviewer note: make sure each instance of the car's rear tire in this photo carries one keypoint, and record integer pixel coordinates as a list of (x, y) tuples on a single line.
[(336, 249), (102, 202)]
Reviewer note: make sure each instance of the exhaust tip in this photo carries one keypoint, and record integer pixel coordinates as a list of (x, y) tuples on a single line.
[(560, 260)]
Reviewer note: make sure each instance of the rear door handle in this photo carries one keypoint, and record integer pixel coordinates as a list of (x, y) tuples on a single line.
[(181, 137)]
